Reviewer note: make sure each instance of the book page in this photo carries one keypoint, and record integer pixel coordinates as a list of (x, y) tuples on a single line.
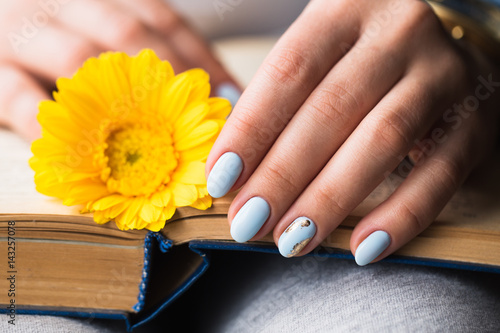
[(17, 187)]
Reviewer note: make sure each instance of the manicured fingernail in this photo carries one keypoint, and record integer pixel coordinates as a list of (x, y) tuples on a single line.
[(224, 174), (296, 236), (230, 92), (372, 247), (249, 219)]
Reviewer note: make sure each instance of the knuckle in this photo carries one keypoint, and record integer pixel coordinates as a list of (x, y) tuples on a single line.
[(391, 132), (124, 29), (168, 23), (251, 128), (336, 203), (421, 13), (453, 65), (450, 174), (286, 67), (244, 126), (332, 106), (419, 20), (412, 220), (280, 177)]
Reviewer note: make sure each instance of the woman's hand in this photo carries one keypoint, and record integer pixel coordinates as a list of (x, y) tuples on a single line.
[(48, 39), (349, 91)]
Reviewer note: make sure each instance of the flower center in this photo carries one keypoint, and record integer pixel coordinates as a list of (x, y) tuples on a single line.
[(140, 160)]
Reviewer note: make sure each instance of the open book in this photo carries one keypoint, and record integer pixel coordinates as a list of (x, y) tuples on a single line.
[(57, 260)]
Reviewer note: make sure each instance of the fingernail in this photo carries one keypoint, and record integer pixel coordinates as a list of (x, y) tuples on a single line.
[(224, 174), (230, 92), (296, 236), (372, 247), (249, 219)]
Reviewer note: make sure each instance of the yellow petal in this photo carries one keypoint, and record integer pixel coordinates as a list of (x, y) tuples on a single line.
[(120, 225), (83, 168), (174, 97), (100, 217), (83, 109), (116, 210), (51, 174), (192, 116), (167, 213), (108, 202), (148, 76), (203, 203), (149, 212), (162, 198), (48, 146), (192, 173), (183, 195), (86, 79), (219, 108), (54, 119), (198, 153), (113, 77), (199, 135), (140, 223), (156, 226), (84, 192), (200, 89), (129, 215), (202, 191), (78, 176), (58, 190), (144, 69)]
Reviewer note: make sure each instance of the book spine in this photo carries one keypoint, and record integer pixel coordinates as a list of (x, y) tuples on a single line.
[(164, 245)]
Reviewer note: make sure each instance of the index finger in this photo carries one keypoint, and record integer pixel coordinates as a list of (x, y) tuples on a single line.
[(294, 67)]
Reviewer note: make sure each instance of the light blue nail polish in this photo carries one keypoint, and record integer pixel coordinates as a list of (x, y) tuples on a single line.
[(230, 92), (224, 174), (296, 236), (249, 219), (372, 247)]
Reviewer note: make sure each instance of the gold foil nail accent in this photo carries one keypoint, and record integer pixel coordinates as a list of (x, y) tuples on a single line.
[(292, 227), (296, 224), (298, 247)]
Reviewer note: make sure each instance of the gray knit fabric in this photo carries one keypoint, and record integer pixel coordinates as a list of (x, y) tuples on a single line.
[(304, 295), (48, 324)]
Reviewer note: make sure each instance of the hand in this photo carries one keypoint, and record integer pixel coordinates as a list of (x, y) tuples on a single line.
[(52, 38), (348, 91)]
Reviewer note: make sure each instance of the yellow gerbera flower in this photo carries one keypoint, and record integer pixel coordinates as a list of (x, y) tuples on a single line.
[(128, 139)]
